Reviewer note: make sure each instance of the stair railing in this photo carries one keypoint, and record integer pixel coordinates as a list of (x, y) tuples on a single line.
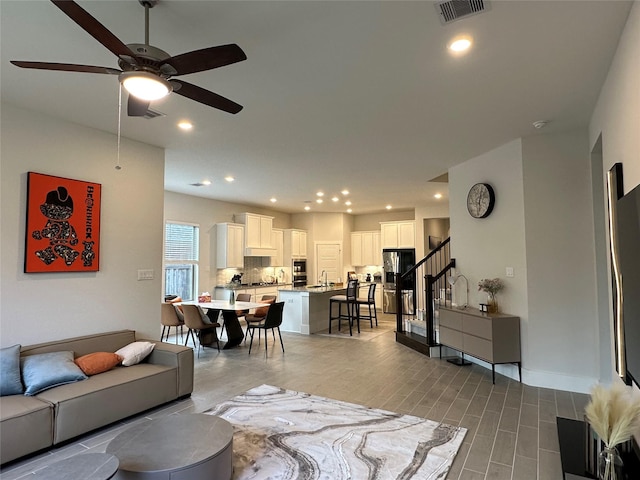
[(429, 275)]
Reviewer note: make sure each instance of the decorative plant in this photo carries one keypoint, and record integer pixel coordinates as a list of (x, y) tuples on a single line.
[(490, 285), (614, 414)]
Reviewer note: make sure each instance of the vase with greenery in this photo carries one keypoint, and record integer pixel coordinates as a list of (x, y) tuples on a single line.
[(614, 414), (491, 286)]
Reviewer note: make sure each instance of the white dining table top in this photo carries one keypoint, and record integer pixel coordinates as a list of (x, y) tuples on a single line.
[(225, 305)]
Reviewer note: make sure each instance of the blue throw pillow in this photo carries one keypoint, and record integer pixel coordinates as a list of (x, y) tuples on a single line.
[(10, 383), (48, 370)]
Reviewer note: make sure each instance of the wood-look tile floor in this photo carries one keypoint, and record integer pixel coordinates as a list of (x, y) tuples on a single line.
[(511, 426)]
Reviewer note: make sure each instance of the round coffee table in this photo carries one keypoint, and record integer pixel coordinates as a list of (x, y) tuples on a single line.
[(193, 446), (86, 466)]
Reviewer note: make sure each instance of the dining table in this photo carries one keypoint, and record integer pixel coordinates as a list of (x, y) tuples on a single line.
[(231, 324)]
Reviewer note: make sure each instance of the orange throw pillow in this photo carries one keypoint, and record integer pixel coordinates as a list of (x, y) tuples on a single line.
[(97, 362)]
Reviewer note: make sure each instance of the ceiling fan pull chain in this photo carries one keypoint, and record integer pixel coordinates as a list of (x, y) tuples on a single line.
[(146, 24), (118, 167)]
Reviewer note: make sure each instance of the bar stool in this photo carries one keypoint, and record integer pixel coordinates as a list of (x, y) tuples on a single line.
[(370, 301), (350, 300)]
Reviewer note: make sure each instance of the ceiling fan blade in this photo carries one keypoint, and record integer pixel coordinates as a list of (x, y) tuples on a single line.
[(206, 97), (93, 27), (137, 107), (67, 67), (206, 59)]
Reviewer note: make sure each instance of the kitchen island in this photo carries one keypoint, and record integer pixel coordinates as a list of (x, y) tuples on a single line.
[(306, 309)]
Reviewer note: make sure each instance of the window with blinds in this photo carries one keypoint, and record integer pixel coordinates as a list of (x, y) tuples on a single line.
[(181, 256)]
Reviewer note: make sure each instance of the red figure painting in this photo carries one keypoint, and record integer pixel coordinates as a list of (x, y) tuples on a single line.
[(63, 225)]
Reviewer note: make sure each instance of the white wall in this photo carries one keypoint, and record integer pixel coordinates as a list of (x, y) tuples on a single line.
[(41, 307), (483, 248), (616, 121), (561, 276), (542, 226), (617, 112)]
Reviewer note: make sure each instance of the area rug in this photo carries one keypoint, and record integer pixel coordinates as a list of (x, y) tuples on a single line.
[(287, 435)]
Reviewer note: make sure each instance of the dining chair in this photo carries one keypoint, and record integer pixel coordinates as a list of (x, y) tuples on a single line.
[(370, 302), (353, 310), (206, 332), (259, 314), (169, 318), (272, 321)]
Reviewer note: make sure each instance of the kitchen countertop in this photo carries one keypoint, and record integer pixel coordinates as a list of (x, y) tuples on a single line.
[(243, 286), (313, 289)]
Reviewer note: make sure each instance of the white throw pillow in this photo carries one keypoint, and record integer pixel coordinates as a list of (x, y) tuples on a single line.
[(135, 352)]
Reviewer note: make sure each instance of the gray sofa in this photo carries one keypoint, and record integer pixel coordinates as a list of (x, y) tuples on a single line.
[(29, 424)]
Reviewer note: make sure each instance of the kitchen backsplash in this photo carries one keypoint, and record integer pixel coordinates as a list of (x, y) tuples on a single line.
[(254, 272)]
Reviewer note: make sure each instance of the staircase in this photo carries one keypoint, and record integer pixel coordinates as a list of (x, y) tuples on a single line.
[(417, 325)]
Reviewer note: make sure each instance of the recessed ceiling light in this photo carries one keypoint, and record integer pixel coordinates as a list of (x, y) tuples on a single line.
[(335, 199), (229, 178), (388, 207), (347, 203), (349, 210), (319, 200), (345, 192), (273, 199), (460, 45), (438, 195), (206, 182), (185, 125), (320, 194), (307, 208)]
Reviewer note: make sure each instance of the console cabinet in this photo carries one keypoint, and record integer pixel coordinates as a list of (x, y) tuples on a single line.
[(494, 338)]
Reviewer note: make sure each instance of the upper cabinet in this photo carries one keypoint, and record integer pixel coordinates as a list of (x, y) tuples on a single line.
[(277, 242), (398, 234), (230, 245), (295, 245), (257, 234), (365, 249)]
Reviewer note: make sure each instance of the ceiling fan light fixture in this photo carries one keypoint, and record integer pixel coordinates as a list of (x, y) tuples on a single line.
[(145, 85)]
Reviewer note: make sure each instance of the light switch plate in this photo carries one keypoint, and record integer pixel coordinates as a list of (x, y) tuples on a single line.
[(145, 274), (509, 272)]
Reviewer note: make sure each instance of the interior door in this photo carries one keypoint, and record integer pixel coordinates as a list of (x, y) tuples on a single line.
[(329, 259)]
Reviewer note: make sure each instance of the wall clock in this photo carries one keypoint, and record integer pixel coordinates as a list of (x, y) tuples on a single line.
[(480, 200)]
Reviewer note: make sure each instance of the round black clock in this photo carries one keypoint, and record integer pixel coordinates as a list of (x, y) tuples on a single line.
[(480, 200)]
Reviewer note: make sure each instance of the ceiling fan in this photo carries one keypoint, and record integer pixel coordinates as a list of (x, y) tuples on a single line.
[(146, 71)]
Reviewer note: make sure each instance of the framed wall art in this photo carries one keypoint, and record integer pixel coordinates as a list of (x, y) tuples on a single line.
[(63, 225)]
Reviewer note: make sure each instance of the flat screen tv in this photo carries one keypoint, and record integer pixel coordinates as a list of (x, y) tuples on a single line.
[(628, 233)]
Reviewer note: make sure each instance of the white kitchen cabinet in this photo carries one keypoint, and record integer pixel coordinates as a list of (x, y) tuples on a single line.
[(365, 248), (277, 242), (230, 245), (257, 234), (398, 234), (356, 248), (295, 244)]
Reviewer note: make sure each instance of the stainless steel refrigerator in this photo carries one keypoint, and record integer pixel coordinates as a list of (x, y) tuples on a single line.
[(398, 260)]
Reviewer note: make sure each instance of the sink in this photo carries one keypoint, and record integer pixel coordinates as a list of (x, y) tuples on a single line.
[(315, 286)]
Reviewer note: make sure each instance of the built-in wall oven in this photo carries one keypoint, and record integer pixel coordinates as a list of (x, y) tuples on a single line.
[(299, 272)]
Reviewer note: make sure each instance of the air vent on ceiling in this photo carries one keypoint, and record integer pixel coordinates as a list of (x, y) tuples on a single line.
[(198, 184), (153, 114), (453, 10)]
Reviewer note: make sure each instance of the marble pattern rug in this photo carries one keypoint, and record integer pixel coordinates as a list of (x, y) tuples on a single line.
[(287, 435)]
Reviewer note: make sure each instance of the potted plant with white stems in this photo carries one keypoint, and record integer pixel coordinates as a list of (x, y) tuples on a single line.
[(614, 414)]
